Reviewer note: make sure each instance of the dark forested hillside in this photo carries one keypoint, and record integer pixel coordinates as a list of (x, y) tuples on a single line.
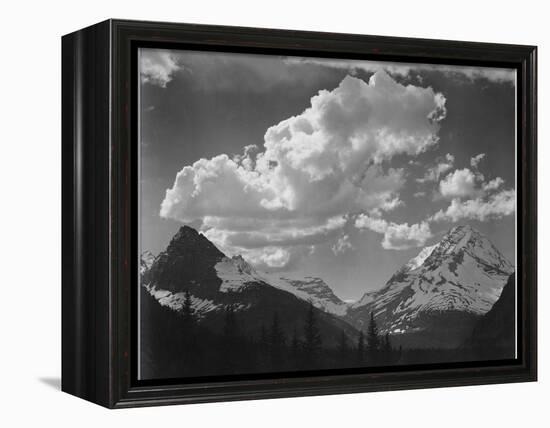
[(494, 335)]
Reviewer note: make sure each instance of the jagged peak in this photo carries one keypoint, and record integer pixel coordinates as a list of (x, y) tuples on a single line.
[(188, 239), (147, 254), (459, 239), (242, 264), (186, 231), (465, 237)]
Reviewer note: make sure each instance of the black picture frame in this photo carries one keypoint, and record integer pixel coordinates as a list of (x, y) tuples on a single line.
[(99, 252)]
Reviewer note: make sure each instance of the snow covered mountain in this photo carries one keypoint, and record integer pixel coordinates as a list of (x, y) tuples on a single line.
[(439, 293), (215, 282), (146, 261), (433, 300), (236, 275), (311, 289)]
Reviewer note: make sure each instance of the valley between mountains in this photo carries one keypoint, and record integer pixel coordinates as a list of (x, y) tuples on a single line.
[(205, 314)]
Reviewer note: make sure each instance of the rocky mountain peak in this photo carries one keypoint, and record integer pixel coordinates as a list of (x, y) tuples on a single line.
[(187, 240), (242, 265), (465, 239), (147, 259), (462, 274)]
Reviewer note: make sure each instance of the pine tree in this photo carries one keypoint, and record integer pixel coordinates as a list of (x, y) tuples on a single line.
[(295, 348), (263, 340), (312, 337), (343, 347), (232, 347), (187, 311), (277, 342), (373, 340), (230, 326), (360, 351), (387, 350)]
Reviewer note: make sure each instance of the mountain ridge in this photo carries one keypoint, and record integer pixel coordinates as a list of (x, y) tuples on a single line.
[(217, 283), (456, 280), (462, 276)]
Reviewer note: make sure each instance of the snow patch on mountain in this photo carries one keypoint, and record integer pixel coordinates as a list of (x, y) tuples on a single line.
[(311, 289), (236, 274), (146, 261), (417, 261), (175, 301), (365, 300), (463, 272)]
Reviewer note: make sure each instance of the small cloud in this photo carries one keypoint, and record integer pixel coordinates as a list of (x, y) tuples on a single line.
[(493, 184), (157, 66), (342, 245), (496, 206), (474, 161), (460, 183), (434, 173), (396, 236)]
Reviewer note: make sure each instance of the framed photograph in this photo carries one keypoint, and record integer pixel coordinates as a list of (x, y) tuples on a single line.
[(253, 213)]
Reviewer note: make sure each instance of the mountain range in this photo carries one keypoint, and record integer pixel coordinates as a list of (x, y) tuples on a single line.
[(215, 282), (434, 300)]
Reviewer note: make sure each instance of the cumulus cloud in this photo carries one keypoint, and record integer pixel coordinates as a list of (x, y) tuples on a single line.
[(458, 184), (493, 184), (396, 236), (495, 206), (495, 75), (475, 160), (464, 183), (435, 172), (342, 245), (272, 257), (313, 170), (474, 198), (157, 66)]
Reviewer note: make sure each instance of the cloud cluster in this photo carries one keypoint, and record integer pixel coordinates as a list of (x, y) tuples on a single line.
[(472, 197), (157, 66), (475, 160), (396, 236), (315, 169), (435, 172), (459, 184), (495, 206), (342, 245), (495, 75)]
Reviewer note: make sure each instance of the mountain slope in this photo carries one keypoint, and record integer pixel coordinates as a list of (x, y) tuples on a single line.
[(494, 335), (439, 294), (311, 289), (216, 282)]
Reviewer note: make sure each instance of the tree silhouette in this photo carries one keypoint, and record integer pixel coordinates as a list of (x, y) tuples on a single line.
[(343, 348), (387, 350), (276, 342), (230, 325), (187, 311), (360, 351), (295, 348), (312, 337), (373, 340)]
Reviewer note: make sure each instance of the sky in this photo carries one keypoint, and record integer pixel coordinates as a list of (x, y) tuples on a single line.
[(332, 168)]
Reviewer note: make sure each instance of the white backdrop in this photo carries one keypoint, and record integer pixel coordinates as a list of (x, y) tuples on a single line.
[(30, 318)]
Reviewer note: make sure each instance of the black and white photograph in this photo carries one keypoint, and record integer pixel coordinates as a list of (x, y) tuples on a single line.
[(275, 214), (300, 213)]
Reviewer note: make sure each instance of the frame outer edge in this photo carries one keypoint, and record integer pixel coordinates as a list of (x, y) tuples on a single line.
[(85, 214), (110, 284)]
